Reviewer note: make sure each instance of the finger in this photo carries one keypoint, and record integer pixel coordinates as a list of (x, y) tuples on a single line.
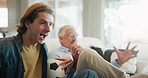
[(73, 47), (115, 49), (75, 55), (67, 70), (135, 52), (69, 64), (80, 50), (134, 56), (63, 67), (66, 65), (133, 47), (76, 48), (62, 59), (128, 45), (65, 62)]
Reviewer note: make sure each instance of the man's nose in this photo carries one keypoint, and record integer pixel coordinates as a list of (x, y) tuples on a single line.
[(47, 28), (75, 38)]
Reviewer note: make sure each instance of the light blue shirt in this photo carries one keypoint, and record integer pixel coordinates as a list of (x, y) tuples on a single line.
[(61, 52), (115, 63), (65, 52)]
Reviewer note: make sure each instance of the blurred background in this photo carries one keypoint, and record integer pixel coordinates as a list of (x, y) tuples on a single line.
[(114, 22)]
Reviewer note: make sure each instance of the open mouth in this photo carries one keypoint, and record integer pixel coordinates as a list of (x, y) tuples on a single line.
[(43, 35), (74, 42)]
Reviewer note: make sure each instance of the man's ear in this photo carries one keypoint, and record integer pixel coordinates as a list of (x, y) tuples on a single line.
[(61, 39), (27, 24)]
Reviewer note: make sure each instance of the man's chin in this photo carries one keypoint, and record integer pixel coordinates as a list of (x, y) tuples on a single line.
[(42, 42), (74, 43)]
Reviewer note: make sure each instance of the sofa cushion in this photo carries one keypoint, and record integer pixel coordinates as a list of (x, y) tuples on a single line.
[(98, 50), (110, 55), (86, 42), (142, 67)]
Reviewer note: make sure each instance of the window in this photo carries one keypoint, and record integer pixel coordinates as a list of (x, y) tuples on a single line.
[(126, 21), (67, 12), (4, 17)]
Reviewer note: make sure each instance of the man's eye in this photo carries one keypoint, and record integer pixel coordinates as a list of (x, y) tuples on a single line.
[(42, 23), (50, 24), (72, 35)]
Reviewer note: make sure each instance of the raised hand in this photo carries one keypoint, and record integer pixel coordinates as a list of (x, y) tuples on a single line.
[(75, 51), (67, 63), (124, 56)]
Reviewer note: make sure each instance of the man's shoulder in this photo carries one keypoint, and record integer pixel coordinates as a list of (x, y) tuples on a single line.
[(53, 54), (9, 39), (4, 41), (9, 42), (55, 51)]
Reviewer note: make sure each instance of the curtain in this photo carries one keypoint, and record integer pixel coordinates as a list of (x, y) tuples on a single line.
[(93, 18)]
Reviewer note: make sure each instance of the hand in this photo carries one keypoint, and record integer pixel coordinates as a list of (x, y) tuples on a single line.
[(67, 63), (124, 56), (75, 51)]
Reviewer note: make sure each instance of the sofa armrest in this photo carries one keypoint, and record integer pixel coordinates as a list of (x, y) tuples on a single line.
[(142, 67)]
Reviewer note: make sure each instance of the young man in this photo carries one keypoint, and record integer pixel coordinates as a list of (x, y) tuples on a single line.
[(25, 55)]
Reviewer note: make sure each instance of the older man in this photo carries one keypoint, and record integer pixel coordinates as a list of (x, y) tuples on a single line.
[(68, 39)]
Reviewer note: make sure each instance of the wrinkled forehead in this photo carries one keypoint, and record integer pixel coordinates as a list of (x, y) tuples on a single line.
[(70, 31)]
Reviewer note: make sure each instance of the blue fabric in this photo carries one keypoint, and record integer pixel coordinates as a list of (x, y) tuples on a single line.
[(87, 73), (11, 64), (61, 52), (72, 73), (115, 63)]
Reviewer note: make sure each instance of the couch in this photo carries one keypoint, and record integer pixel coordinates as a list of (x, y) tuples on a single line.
[(86, 42)]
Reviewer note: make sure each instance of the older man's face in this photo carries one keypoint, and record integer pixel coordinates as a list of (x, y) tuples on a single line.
[(69, 38)]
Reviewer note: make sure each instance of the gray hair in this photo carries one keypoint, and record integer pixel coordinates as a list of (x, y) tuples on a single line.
[(63, 29)]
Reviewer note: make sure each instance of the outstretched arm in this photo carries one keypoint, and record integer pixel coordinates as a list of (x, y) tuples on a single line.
[(124, 56)]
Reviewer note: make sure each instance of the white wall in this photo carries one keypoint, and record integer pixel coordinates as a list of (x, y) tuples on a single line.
[(16, 9), (13, 14)]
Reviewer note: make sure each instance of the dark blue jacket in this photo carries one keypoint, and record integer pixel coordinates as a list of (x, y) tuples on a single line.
[(11, 63)]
